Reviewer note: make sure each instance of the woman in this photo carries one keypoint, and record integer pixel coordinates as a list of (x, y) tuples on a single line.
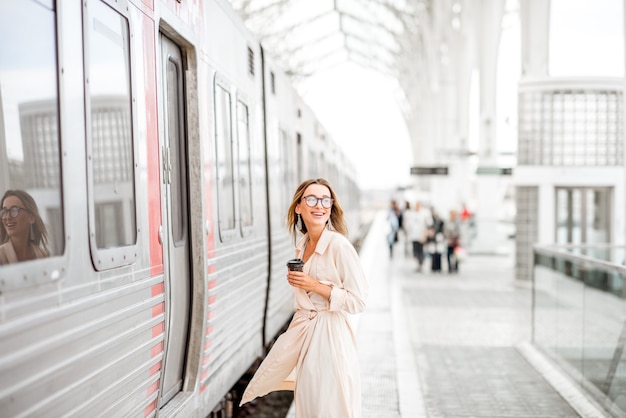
[(24, 235), (317, 356)]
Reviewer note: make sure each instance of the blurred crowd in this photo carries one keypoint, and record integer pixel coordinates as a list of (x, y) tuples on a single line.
[(427, 236)]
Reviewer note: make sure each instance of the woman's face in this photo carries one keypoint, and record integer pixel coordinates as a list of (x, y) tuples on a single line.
[(20, 225), (318, 214)]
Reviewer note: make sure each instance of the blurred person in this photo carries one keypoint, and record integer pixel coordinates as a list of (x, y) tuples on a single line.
[(452, 232), (417, 222), (407, 242), (468, 224), (23, 234), (400, 215), (465, 213), (317, 356), (436, 241), (393, 225)]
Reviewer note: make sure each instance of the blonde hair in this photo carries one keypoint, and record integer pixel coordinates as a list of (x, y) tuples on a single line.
[(336, 220)]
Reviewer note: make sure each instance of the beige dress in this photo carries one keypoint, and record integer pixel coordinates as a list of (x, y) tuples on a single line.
[(8, 256), (317, 355)]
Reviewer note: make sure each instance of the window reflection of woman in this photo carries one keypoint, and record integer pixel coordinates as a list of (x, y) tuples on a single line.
[(23, 235)]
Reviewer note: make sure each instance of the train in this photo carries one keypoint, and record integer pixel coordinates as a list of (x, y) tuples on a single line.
[(162, 146)]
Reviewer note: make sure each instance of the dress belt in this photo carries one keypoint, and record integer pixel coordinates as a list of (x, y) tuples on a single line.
[(309, 314)]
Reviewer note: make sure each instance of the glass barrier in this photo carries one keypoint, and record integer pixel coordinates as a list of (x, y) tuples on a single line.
[(579, 316)]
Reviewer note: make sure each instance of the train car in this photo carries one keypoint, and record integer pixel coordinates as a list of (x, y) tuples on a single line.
[(283, 139), (160, 147)]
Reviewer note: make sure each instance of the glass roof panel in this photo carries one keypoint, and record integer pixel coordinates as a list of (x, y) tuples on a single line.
[(367, 48), (283, 12), (309, 31), (306, 35), (329, 60), (318, 47), (376, 13), (368, 30)]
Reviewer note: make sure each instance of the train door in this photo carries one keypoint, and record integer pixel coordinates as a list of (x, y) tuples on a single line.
[(175, 231)]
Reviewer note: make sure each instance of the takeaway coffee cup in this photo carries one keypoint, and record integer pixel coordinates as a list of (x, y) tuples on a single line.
[(295, 264)]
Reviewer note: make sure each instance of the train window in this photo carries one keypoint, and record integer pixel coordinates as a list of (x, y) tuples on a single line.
[(313, 162), (176, 135), (283, 167), (299, 174), (245, 180), (250, 61), (224, 160), (30, 169), (110, 133)]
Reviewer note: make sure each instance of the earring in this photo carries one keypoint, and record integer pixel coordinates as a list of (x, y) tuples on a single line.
[(299, 222), (31, 234)]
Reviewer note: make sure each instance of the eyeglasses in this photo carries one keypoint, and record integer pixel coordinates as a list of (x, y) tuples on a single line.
[(311, 201), (13, 211)]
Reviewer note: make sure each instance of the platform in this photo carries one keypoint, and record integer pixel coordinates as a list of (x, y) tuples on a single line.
[(454, 345)]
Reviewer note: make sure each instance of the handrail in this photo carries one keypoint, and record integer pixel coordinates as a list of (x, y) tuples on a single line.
[(563, 252), (571, 83), (559, 250)]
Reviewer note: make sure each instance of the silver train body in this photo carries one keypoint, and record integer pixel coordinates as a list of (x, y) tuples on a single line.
[(162, 148)]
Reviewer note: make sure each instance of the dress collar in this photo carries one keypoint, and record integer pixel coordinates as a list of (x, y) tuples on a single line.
[(322, 243)]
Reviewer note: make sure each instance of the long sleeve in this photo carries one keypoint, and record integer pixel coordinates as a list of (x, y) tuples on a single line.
[(351, 295)]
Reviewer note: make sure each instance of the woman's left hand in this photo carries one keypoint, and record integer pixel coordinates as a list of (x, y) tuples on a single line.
[(302, 280), (305, 282)]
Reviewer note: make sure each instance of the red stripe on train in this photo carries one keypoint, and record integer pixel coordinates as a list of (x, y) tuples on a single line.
[(150, 408), (158, 309), (205, 360), (156, 350), (158, 329), (155, 369), (153, 387), (209, 330), (158, 289), (152, 146)]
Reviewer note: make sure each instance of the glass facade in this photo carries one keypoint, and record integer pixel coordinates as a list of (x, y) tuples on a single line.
[(571, 127), (527, 227)]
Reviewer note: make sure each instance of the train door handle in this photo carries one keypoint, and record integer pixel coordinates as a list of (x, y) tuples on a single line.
[(161, 234)]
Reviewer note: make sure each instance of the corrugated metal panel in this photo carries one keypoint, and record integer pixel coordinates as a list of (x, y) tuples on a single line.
[(95, 352), (236, 302)]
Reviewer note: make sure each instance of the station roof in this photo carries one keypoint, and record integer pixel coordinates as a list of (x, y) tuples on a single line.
[(306, 37)]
